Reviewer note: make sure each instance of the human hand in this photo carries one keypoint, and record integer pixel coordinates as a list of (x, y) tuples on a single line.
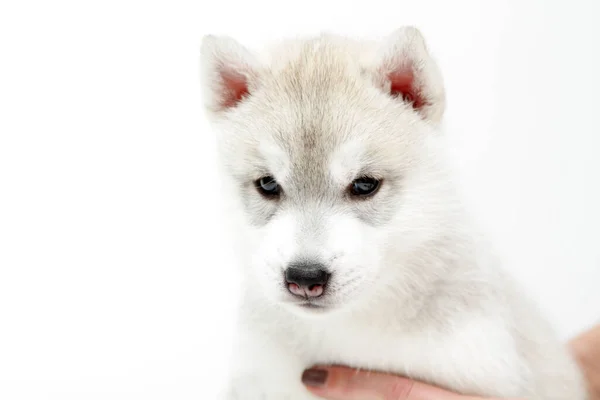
[(586, 349), (340, 383)]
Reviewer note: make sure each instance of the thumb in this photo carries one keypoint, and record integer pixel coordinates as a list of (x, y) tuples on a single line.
[(340, 383)]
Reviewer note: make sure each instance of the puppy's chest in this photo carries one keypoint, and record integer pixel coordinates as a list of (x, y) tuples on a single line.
[(369, 348), (472, 359)]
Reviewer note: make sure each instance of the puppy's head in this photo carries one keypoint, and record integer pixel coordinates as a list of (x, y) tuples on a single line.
[(329, 146)]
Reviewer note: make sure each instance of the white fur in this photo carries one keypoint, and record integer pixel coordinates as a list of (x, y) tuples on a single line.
[(414, 289)]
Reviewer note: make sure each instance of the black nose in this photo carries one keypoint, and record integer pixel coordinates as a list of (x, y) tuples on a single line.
[(307, 280)]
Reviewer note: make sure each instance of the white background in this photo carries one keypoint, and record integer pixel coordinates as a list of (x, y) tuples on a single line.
[(115, 278)]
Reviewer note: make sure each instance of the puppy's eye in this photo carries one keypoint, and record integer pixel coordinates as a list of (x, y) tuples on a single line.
[(364, 186), (268, 186)]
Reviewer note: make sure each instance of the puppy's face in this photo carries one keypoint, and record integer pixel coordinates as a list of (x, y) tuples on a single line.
[(328, 150)]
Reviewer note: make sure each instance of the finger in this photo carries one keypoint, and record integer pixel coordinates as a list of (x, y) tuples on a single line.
[(340, 383)]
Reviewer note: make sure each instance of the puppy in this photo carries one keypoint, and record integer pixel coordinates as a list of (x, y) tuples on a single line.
[(353, 244)]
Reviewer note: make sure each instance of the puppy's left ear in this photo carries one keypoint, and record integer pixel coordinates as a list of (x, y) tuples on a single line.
[(406, 71)]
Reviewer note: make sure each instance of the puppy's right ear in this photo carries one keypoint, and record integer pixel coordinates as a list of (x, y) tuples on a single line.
[(228, 73)]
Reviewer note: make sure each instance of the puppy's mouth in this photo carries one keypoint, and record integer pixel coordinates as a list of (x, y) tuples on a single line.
[(308, 304), (311, 305)]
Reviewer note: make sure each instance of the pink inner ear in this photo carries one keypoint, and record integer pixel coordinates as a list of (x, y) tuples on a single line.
[(403, 85), (235, 88)]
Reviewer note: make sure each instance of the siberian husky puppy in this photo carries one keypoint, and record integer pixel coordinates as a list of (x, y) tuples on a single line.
[(354, 247)]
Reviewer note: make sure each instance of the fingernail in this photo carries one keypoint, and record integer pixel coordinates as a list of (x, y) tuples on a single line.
[(314, 377)]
